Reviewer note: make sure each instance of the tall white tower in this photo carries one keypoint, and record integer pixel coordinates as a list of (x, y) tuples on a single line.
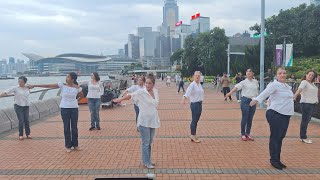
[(170, 16)]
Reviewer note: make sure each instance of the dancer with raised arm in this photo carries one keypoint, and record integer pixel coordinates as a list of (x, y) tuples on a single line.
[(21, 105), (278, 114), (308, 101), (195, 94), (249, 88), (148, 119), (69, 109)]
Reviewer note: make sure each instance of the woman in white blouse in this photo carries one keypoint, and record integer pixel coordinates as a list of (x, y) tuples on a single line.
[(195, 94), (69, 108), (95, 90), (21, 105), (278, 114), (148, 119), (249, 88), (308, 101)]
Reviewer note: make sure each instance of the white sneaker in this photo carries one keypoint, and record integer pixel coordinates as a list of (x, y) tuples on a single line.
[(78, 148), (238, 101), (307, 141), (149, 166), (68, 150)]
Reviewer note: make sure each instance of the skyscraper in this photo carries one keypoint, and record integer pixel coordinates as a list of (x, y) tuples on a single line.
[(133, 46), (200, 24), (143, 30), (170, 16), (11, 60)]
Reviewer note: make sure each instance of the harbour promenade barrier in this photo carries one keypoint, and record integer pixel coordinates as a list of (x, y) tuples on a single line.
[(43, 108)]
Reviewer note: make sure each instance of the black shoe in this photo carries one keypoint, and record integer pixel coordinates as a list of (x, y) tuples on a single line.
[(92, 128), (98, 128), (277, 165), (284, 166), (225, 99)]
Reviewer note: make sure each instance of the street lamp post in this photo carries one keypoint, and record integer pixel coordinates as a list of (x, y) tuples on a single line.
[(262, 48), (229, 53), (228, 70)]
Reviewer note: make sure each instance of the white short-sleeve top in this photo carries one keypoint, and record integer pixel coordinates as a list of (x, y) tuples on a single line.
[(69, 96), (21, 95)]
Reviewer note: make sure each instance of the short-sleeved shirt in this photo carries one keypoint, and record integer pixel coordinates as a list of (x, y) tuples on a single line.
[(249, 88), (69, 96), (309, 93), (148, 108), (21, 95), (168, 79)]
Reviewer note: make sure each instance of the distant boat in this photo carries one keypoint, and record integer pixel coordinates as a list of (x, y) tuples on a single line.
[(3, 77)]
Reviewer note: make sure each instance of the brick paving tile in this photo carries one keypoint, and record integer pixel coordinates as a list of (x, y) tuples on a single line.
[(115, 150)]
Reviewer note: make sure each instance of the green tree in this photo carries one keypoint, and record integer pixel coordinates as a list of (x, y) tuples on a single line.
[(204, 52), (177, 56), (190, 61)]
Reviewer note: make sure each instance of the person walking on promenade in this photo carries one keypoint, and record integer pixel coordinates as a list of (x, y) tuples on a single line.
[(132, 80), (148, 120), (134, 88), (268, 78), (225, 81), (177, 79), (308, 101), (239, 78), (21, 105), (201, 79), (292, 81), (278, 114), (195, 94), (218, 82), (69, 108), (168, 82), (181, 85), (249, 88), (95, 90)]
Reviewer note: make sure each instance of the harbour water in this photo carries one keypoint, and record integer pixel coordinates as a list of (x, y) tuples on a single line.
[(7, 84)]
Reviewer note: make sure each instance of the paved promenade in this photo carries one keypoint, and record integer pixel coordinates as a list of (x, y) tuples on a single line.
[(116, 149)]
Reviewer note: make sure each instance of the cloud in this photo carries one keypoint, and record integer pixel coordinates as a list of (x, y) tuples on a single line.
[(32, 43), (95, 26)]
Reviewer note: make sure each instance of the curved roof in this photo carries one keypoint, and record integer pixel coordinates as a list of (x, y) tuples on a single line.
[(81, 58), (32, 56)]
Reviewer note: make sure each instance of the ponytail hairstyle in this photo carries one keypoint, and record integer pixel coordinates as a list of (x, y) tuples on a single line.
[(151, 77), (143, 79), (23, 78), (74, 77)]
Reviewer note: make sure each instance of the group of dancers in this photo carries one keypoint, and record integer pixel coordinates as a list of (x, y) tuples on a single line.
[(146, 101)]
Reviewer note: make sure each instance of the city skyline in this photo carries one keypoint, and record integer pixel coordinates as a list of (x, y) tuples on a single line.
[(54, 27)]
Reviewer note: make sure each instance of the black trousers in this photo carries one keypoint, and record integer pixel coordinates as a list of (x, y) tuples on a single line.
[(225, 91), (278, 129)]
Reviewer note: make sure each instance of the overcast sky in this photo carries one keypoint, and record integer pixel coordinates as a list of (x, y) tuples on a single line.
[(52, 27)]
